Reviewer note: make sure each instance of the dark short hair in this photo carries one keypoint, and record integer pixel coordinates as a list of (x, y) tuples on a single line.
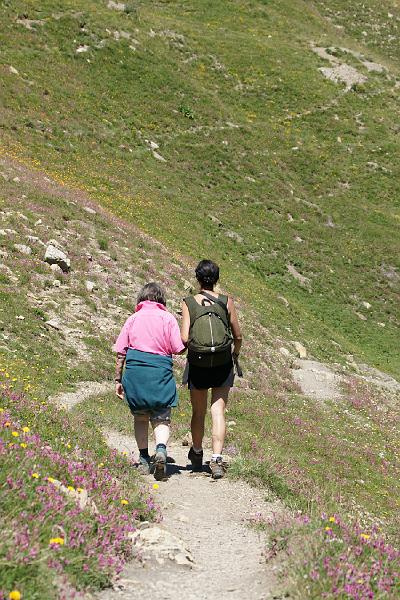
[(207, 273), (153, 292)]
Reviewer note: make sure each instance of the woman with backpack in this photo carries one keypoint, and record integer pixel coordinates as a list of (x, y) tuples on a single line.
[(209, 329), (145, 347)]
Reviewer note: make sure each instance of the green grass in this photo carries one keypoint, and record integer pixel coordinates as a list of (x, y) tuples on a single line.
[(181, 88), (267, 164)]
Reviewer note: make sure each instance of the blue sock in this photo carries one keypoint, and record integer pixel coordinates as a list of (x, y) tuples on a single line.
[(161, 447)]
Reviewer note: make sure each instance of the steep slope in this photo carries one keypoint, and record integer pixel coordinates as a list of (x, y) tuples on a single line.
[(265, 135), (218, 115)]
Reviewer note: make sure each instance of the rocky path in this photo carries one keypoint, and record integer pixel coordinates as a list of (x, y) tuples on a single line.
[(204, 547)]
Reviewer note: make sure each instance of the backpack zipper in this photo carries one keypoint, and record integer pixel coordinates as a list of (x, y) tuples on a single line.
[(211, 331)]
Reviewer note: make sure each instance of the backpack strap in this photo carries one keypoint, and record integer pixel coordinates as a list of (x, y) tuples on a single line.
[(193, 308), (221, 300), (196, 310)]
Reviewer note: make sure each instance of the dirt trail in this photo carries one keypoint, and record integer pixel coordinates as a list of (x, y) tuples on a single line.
[(211, 519)]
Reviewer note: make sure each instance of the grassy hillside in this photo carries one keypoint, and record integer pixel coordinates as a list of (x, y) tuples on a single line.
[(210, 126), (262, 162)]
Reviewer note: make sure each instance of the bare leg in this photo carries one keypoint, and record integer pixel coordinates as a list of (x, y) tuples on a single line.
[(142, 431), (198, 399), (161, 432), (219, 398)]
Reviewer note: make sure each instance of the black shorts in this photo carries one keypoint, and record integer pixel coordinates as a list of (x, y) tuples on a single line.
[(203, 378)]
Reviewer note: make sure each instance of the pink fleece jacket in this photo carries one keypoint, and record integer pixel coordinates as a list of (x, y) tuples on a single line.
[(150, 329)]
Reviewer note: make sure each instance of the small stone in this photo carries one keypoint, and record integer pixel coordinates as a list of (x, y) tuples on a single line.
[(298, 239), (231, 423), (283, 299), (329, 222), (20, 318), (290, 218), (361, 316), (116, 5), (215, 220), (38, 222), (17, 180), (158, 156), (56, 283), (23, 249), (366, 305), (56, 269), (381, 324), (187, 439), (153, 145), (302, 352), (13, 70), (90, 286), (81, 49), (89, 210), (54, 324), (55, 256), (234, 236), (284, 352)]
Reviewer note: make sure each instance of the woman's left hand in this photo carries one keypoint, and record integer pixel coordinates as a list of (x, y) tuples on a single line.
[(119, 390)]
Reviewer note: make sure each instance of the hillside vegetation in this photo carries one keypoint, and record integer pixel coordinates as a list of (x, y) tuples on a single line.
[(138, 137), (270, 163)]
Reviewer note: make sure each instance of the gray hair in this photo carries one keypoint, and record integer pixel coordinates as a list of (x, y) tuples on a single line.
[(154, 292)]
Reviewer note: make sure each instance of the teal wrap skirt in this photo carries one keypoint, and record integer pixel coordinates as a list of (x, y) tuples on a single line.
[(148, 381)]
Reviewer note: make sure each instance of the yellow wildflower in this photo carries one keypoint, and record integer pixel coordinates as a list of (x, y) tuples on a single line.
[(328, 529), (124, 502), (365, 536), (23, 445), (15, 595), (332, 520), (79, 490), (50, 479), (155, 486), (100, 465), (35, 475), (15, 433), (68, 445), (26, 429), (58, 541), (70, 488), (11, 444), (7, 424), (1, 410)]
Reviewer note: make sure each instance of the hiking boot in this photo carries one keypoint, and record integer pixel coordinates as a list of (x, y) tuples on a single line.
[(160, 464), (217, 470), (196, 458), (144, 465)]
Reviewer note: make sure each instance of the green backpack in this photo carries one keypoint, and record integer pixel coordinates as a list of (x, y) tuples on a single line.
[(210, 337)]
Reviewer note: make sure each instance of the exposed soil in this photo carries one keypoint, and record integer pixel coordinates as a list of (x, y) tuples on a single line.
[(210, 520)]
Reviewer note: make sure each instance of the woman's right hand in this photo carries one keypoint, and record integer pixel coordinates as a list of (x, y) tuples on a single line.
[(119, 390)]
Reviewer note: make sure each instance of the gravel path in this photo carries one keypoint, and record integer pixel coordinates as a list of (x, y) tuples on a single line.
[(209, 519)]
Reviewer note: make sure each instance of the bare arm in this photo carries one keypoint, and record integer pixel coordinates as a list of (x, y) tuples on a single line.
[(185, 325), (118, 374), (236, 331)]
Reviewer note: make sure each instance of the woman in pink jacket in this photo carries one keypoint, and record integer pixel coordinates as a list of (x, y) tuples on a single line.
[(145, 347)]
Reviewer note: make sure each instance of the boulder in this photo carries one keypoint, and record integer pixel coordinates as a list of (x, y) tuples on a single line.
[(300, 349), (23, 249), (54, 256)]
